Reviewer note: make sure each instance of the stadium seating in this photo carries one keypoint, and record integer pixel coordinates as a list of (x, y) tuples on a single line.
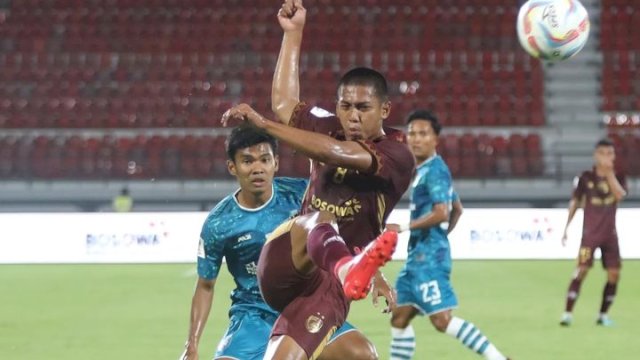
[(627, 148), (86, 66), (200, 157), (620, 42)]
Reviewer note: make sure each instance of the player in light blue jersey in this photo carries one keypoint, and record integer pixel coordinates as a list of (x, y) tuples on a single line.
[(423, 285), (236, 229)]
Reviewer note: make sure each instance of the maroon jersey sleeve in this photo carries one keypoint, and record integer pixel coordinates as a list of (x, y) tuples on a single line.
[(580, 186), (392, 159), (312, 118)]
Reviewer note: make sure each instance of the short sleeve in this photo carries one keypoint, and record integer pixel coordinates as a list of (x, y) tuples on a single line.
[(579, 187), (454, 196), (313, 118), (210, 253), (392, 161)]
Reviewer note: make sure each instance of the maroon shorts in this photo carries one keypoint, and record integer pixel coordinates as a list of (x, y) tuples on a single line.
[(312, 306), (608, 247)]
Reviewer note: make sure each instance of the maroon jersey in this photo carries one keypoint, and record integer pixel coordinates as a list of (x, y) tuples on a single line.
[(361, 201), (600, 205)]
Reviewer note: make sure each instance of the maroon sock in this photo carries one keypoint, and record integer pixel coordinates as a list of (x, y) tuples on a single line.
[(608, 294), (572, 294), (326, 247)]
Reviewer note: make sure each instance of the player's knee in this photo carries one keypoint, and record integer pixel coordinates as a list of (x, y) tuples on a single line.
[(613, 276), (399, 321), (440, 321), (325, 217), (309, 221), (440, 324)]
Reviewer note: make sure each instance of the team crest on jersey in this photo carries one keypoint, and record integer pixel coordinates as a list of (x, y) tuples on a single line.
[(314, 323), (252, 268), (603, 186)]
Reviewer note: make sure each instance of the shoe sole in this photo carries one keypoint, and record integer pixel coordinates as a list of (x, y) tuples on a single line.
[(377, 254)]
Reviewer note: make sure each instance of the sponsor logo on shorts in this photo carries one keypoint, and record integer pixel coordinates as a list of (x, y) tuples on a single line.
[(314, 323)]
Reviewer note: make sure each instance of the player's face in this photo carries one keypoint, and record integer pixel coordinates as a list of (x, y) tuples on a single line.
[(361, 112), (254, 167), (604, 156), (422, 140)]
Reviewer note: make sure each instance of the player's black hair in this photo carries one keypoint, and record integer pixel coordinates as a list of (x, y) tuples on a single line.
[(244, 136), (366, 77), (605, 142), (428, 116)]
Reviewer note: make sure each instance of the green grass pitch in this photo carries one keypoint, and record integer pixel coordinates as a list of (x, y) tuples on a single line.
[(142, 311)]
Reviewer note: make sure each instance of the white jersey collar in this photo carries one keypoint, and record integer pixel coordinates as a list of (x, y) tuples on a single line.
[(273, 193), (428, 160)]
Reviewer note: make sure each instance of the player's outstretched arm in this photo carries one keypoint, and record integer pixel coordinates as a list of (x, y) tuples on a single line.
[(454, 216), (285, 88), (200, 308), (320, 147)]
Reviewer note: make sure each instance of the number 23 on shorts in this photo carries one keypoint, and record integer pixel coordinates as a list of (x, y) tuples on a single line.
[(431, 292)]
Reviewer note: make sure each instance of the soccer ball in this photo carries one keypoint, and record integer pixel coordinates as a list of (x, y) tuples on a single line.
[(553, 30)]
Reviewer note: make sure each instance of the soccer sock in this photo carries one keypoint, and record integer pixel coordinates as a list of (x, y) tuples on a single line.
[(572, 294), (326, 247), (608, 294), (471, 337), (403, 343)]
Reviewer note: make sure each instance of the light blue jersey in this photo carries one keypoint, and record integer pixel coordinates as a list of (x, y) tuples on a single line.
[(424, 279), (238, 234)]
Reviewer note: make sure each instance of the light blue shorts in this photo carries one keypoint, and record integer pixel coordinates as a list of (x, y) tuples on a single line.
[(248, 333), (429, 291)]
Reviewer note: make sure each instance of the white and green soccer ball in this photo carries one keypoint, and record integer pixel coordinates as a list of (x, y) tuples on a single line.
[(553, 30)]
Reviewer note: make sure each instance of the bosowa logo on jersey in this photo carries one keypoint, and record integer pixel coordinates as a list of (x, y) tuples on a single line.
[(348, 208)]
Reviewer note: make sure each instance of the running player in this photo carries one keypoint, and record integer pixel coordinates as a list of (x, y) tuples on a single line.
[(236, 229), (598, 192), (360, 170), (423, 285)]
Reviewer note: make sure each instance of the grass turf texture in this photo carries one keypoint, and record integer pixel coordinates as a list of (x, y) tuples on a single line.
[(142, 312)]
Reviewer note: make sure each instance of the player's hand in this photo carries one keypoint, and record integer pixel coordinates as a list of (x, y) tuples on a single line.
[(608, 166), (244, 112), (381, 288), (189, 353), (292, 15), (564, 239)]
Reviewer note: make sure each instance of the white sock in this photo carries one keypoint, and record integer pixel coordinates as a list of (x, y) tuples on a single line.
[(470, 336), (403, 343)]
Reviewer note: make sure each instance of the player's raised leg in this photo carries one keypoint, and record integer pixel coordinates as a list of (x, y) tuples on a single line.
[(328, 251)]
